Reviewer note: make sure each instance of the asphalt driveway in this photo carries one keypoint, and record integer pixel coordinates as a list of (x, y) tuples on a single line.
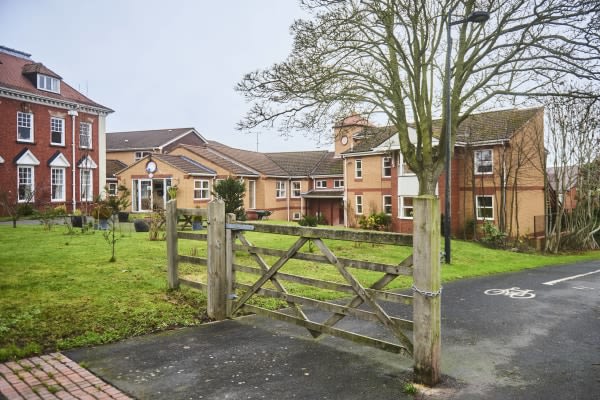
[(546, 346)]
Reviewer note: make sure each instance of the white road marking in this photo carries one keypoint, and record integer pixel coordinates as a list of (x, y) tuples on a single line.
[(583, 288), (552, 283)]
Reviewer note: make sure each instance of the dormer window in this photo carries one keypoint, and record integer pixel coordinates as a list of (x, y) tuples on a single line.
[(48, 83)]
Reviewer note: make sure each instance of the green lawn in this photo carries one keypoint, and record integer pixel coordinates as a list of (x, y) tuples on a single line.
[(58, 290)]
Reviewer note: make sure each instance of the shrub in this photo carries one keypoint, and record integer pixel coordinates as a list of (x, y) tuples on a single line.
[(376, 221), (312, 220), (493, 237), (25, 210), (308, 220), (48, 214)]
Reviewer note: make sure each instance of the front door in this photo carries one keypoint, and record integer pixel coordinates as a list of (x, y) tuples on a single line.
[(142, 194)]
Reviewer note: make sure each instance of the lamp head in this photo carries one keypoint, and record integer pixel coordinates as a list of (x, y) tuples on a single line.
[(478, 17)]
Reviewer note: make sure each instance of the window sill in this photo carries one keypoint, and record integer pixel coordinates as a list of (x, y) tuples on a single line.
[(25, 141)]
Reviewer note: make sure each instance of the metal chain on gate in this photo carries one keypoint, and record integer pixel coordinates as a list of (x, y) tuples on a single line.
[(426, 293)]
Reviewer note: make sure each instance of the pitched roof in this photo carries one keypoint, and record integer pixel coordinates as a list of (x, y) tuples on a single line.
[(184, 164), (257, 161), (298, 163), (39, 68), (493, 125), (16, 69), (144, 140), (329, 165), (476, 128), (114, 166), (283, 164), (219, 159), (370, 137)]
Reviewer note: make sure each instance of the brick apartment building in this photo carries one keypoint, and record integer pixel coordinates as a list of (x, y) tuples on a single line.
[(53, 137)]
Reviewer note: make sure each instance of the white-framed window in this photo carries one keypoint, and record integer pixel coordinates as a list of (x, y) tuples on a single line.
[(141, 154), (358, 199), (112, 188), (387, 204), (321, 184), (57, 131), (338, 183), (387, 167), (485, 207), (404, 168), (296, 216), (57, 184), (25, 183), (296, 189), (405, 207), (24, 127), (48, 83), (201, 191), (483, 161), (252, 194), (86, 190), (85, 135), (280, 189), (358, 169)]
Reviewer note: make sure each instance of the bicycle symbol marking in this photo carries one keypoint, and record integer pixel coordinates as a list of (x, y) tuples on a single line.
[(513, 293)]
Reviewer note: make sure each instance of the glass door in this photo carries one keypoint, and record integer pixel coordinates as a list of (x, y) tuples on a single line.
[(142, 194)]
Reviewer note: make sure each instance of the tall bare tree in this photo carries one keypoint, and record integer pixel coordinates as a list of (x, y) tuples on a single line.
[(574, 144), (388, 57)]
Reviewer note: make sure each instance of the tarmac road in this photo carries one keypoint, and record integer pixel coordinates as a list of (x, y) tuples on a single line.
[(545, 346)]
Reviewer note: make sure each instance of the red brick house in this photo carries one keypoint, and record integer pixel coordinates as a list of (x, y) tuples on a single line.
[(497, 172), (53, 137)]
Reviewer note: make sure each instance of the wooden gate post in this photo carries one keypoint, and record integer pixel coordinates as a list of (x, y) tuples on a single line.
[(427, 290), (217, 261), (172, 256)]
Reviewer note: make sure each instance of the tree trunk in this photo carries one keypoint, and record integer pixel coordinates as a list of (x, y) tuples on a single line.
[(427, 183)]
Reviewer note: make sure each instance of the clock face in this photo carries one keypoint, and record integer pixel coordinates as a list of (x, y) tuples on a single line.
[(151, 167), (344, 140)]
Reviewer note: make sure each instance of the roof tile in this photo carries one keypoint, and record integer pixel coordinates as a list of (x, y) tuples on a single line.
[(13, 75)]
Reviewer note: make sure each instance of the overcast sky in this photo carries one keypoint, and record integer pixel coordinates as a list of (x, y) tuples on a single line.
[(160, 64)]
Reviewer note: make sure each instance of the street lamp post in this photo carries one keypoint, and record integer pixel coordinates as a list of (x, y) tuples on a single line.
[(477, 17)]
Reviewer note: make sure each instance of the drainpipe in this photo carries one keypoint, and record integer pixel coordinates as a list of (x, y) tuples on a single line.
[(73, 114), (345, 196), (289, 194)]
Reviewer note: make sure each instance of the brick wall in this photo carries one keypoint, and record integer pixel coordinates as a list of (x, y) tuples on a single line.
[(42, 149)]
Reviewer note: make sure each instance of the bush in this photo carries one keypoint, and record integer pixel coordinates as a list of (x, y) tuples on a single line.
[(312, 220), (376, 221), (308, 220), (493, 237), (48, 214), (25, 210)]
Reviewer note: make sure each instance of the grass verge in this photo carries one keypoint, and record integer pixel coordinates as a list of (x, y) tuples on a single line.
[(59, 290)]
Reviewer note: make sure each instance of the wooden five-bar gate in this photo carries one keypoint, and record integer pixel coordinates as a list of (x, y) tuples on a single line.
[(226, 295)]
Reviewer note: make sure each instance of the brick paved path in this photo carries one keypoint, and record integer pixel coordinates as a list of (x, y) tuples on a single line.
[(52, 376)]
